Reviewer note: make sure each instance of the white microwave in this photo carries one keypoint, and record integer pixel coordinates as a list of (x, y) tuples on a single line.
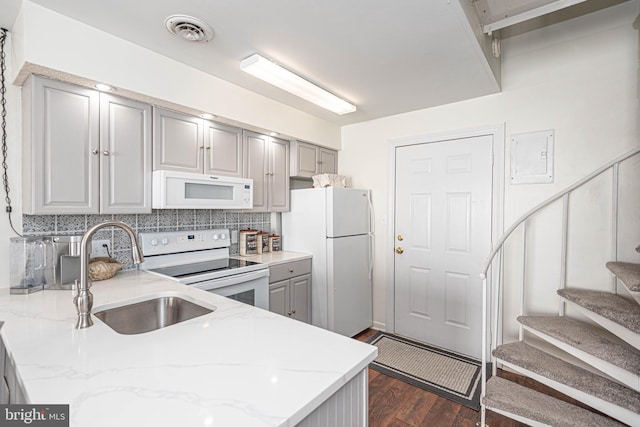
[(185, 190)]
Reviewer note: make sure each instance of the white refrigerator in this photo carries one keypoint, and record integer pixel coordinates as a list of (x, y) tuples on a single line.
[(333, 224)]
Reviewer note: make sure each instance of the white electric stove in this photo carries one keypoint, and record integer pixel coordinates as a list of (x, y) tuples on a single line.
[(200, 258)]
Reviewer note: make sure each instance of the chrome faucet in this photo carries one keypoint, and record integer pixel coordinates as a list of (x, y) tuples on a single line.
[(84, 298)]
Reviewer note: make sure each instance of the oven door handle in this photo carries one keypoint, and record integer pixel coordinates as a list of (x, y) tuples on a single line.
[(233, 280)]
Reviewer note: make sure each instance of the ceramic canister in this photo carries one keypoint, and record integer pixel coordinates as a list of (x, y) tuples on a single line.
[(248, 242), (274, 243), (263, 242)]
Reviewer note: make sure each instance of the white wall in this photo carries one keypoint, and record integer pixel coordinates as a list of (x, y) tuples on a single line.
[(55, 45), (579, 77), (14, 163)]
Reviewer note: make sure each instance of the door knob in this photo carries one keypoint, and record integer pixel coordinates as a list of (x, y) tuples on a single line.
[(400, 238), (399, 250), (105, 152)]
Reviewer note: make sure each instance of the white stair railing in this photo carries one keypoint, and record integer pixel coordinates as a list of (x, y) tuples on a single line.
[(521, 222)]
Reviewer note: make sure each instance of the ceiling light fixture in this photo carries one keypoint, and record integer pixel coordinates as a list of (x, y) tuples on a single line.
[(103, 87), (267, 70)]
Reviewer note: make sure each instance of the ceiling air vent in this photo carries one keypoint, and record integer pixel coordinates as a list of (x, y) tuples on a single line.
[(189, 28)]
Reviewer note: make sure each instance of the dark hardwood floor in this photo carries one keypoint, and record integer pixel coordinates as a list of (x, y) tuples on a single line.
[(396, 403)]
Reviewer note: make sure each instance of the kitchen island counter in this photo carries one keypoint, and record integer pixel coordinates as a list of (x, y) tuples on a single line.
[(237, 366)]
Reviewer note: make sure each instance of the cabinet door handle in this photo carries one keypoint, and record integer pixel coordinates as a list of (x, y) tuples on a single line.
[(289, 314), (293, 311), (94, 151), (105, 152), (208, 148), (291, 270)]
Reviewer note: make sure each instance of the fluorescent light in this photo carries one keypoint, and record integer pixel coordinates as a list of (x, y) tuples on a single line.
[(274, 74)]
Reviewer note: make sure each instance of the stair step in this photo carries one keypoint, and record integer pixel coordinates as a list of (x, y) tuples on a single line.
[(581, 341), (598, 392), (628, 273), (531, 407), (616, 314)]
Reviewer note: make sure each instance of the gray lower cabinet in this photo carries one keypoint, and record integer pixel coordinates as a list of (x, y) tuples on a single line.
[(290, 290), (10, 390), (186, 143), (266, 161), (84, 152), (308, 160), (4, 387)]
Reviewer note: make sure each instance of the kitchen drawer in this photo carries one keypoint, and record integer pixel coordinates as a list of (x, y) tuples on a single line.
[(288, 270)]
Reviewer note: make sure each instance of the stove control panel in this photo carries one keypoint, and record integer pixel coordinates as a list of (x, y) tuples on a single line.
[(167, 242)]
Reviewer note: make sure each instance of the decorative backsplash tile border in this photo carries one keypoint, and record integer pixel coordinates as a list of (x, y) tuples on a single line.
[(157, 220)]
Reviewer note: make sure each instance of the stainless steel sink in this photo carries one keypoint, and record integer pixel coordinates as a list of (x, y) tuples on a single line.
[(152, 314)]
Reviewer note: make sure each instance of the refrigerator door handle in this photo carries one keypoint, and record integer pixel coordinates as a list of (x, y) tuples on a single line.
[(372, 215), (370, 255), (372, 218)]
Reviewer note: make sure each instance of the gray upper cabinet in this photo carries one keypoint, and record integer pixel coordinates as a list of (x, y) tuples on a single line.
[(308, 160), (279, 176), (186, 143), (328, 160), (60, 149), (177, 141), (79, 159), (255, 167), (266, 161), (223, 150), (125, 166)]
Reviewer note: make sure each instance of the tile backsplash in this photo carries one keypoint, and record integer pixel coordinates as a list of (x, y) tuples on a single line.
[(157, 220)]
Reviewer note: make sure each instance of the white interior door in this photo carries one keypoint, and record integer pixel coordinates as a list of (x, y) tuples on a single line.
[(442, 234)]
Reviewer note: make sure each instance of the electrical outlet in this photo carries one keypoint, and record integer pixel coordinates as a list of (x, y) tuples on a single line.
[(97, 248)]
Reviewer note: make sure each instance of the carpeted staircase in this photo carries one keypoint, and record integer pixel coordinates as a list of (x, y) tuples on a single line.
[(613, 389)]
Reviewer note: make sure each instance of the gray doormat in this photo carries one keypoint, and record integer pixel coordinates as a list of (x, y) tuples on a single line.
[(439, 371)]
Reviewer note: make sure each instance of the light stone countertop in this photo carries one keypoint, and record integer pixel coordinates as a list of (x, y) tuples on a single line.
[(238, 366), (275, 258)]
